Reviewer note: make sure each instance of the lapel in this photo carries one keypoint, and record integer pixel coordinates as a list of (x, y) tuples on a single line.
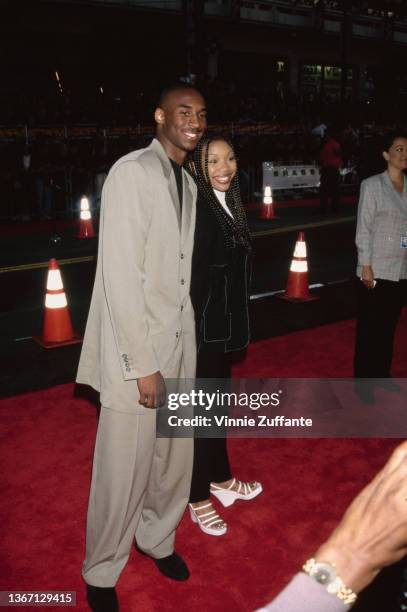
[(169, 175), (400, 200), (189, 192)]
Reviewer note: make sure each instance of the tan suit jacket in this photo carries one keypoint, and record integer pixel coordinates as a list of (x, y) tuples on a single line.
[(141, 318)]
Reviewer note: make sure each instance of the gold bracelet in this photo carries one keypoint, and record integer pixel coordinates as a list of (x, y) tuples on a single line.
[(325, 574)]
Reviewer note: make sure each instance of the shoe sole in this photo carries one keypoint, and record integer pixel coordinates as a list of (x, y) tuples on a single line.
[(227, 498)]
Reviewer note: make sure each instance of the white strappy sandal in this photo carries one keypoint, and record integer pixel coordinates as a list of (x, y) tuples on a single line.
[(228, 496), (209, 522)]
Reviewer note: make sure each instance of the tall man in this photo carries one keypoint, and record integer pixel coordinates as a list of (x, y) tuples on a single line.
[(140, 330)]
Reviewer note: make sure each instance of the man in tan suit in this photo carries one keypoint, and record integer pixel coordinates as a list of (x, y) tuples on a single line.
[(140, 331)]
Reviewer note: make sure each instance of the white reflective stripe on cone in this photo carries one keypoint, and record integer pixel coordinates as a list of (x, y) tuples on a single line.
[(54, 281), (57, 300), (85, 215), (84, 204), (300, 249), (267, 196), (298, 266)]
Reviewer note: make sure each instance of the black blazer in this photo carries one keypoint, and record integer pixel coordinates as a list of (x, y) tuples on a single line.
[(219, 286)]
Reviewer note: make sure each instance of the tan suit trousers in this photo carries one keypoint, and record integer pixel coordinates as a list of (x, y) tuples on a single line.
[(140, 488)]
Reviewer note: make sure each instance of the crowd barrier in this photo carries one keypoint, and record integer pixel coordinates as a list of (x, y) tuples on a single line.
[(27, 133), (51, 181), (63, 132), (299, 176)]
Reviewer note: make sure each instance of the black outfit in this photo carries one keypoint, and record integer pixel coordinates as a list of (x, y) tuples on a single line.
[(379, 312), (178, 177), (219, 286), (330, 188), (219, 294), (211, 461)]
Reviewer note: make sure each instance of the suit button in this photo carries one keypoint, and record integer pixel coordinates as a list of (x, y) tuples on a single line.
[(177, 334), (182, 281), (182, 307), (182, 255)]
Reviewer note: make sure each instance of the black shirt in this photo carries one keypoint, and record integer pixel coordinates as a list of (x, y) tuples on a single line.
[(178, 177)]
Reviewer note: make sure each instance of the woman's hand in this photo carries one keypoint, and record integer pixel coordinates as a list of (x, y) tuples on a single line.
[(368, 277), (373, 531)]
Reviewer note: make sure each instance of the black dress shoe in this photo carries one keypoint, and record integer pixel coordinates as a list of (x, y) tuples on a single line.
[(102, 599), (173, 566)]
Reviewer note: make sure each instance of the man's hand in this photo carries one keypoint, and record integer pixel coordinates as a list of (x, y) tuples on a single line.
[(368, 277), (373, 531), (152, 390)]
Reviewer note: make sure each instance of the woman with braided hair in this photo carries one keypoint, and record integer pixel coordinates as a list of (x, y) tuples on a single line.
[(219, 293)]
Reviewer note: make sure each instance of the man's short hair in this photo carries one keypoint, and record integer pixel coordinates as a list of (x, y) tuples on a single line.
[(170, 89)]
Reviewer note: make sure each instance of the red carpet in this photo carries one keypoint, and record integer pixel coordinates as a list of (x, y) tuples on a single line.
[(321, 352), (46, 447)]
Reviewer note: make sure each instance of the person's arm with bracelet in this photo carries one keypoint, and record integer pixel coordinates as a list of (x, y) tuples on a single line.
[(371, 535)]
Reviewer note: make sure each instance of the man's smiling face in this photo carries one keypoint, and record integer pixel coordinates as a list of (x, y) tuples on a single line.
[(181, 121)]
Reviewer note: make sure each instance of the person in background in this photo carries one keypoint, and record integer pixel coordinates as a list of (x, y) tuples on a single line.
[(331, 163), (319, 129), (219, 293), (371, 536), (381, 240)]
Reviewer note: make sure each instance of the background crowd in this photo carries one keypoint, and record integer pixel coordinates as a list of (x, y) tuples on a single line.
[(44, 175)]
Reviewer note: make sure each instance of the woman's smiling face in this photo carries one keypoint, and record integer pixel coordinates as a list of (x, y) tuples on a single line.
[(396, 156), (222, 166)]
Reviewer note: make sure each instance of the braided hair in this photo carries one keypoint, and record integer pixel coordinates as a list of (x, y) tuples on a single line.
[(236, 229)]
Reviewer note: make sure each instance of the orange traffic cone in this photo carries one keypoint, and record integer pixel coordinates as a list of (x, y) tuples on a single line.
[(297, 284), (85, 220), (57, 329), (267, 209)]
